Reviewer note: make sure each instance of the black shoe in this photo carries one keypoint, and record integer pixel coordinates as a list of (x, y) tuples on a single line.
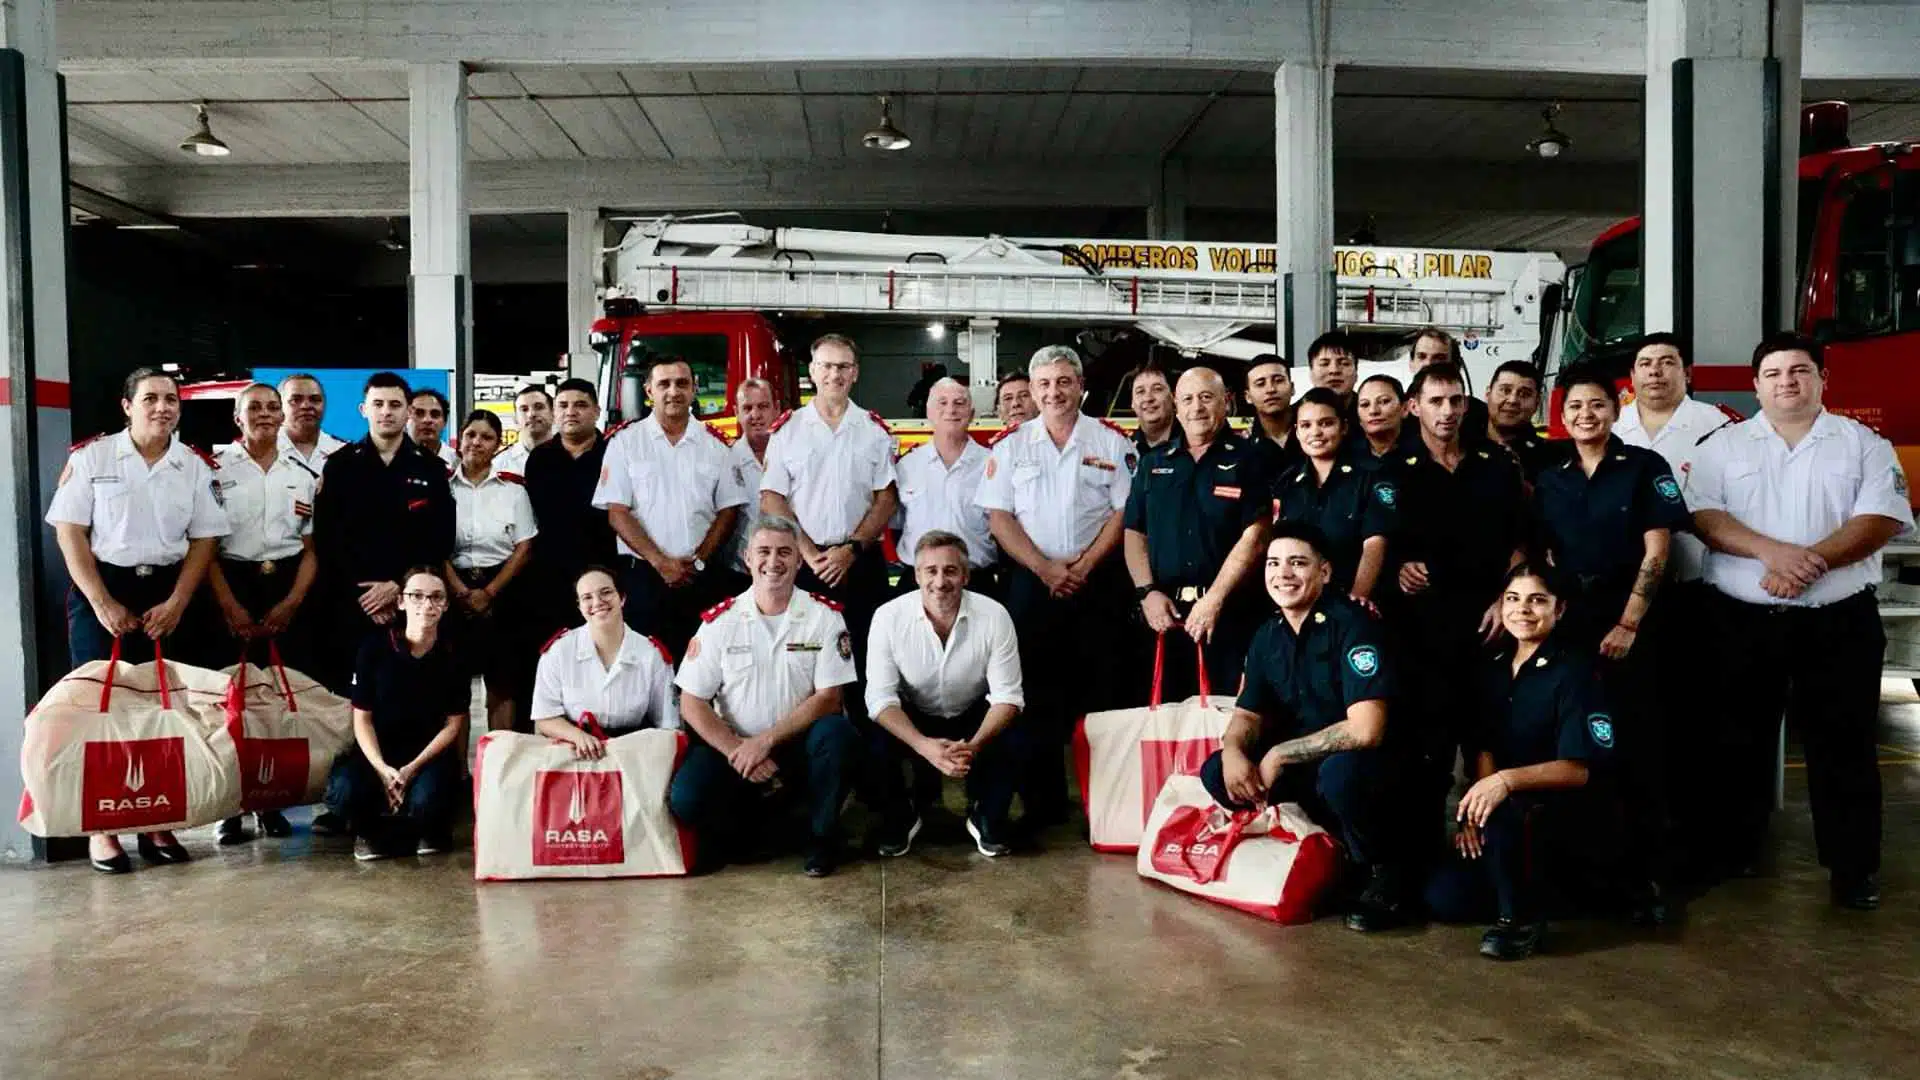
[(161, 854), (119, 864), (822, 860), (896, 836), (1509, 940), (274, 824), (1380, 906), (1857, 893), (328, 823), (435, 843), (1655, 906), (234, 831), (985, 836)]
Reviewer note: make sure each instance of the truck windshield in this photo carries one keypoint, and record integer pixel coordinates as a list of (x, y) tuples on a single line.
[(706, 354)]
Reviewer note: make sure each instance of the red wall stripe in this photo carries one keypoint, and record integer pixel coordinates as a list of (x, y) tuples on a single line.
[(50, 394)]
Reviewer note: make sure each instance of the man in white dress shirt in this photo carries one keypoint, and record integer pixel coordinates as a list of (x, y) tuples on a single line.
[(533, 417), (757, 406), (943, 684), (304, 405), (1054, 490), (1795, 505), (938, 482)]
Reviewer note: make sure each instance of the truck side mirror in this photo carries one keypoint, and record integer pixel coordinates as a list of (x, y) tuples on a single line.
[(1825, 331)]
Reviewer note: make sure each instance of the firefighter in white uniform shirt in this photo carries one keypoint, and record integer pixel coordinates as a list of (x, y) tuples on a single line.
[(830, 469), (671, 494), (266, 564), (428, 413), (943, 685), (1054, 489), (939, 480), (756, 405), (604, 669), (304, 402), (533, 416), (1795, 505), (137, 516), (762, 688), (493, 531)]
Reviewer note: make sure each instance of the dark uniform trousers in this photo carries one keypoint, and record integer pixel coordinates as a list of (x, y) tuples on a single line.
[(991, 780), (723, 808), (499, 644), (859, 594), (1225, 652), (1821, 667), (259, 590), (1071, 662), (88, 640), (671, 614), (1690, 698), (1527, 868), (1348, 794), (345, 626), (430, 805), (1439, 639)]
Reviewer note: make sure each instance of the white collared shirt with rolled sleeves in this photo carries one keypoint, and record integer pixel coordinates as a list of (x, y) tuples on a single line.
[(829, 475), (1799, 495), (1677, 442), (1061, 496), (935, 495), (754, 670), (323, 447), (635, 692), (675, 490), (747, 473), (489, 519), (909, 666), (138, 516), (270, 511)]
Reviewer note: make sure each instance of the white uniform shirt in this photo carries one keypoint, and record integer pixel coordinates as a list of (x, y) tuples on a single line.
[(829, 476), (749, 472), (1061, 497), (636, 692), (934, 495), (513, 459), (755, 670), (1840, 470), (270, 511), (1678, 442), (489, 519), (324, 446), (909, 666), (138, 516), (674, 489)]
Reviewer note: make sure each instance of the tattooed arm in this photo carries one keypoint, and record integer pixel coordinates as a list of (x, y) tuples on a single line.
[(1653, 567), (1365, 725)]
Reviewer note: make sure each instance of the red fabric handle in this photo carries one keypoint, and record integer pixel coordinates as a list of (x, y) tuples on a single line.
[(1200, 665), (113, 665), (592, 726), (1228, 841), (280, 670), (1159, 668)]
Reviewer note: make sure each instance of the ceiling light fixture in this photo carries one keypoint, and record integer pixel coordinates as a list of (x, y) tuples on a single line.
[(393, 241), (1551, 142), (202, 141), (936, 331), (885, 136)]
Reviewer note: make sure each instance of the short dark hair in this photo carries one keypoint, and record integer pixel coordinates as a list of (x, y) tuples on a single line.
[(142, 374), (1393, 384), (659, 362), (1305, 532), (1271, 358), (1522, 368), (1014, 376), (486, 417), (584, 386), (1151, 367), (386, 380), (308, 376), (533, 388), (1666, 337), (841, 340), (1788, 341), (1549, 575), (1447, 371), (1453, 346), (1320, 395), (423, 568), (428, 391), (938, 538), (1585, 375), (1332, 339)]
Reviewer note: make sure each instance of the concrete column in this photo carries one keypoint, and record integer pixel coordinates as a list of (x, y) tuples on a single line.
[(440, 290), (1167, 217), (35, 425), (1722, 149), (1303, 179), (586, 275)]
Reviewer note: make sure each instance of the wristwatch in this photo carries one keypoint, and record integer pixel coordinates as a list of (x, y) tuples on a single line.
[(1140, 591), (699, 565)]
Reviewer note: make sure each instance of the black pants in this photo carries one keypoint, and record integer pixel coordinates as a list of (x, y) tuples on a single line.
[(344, 627), (1691, 702), (430, 802), (1516, 868), (720, 805), (1821, 667), (1071, 663), (88, 640), (1349, 794), (991, 780), (859, 594), (1226, 653), (1439, 642), (670, 614), (259, 591), (497, 645)]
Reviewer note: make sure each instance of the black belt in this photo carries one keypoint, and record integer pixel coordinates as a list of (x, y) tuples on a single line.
[(144, 570), (263, 567)]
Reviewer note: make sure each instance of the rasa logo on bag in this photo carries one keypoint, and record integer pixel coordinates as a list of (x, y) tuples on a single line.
[(1194, 841), (576, 819), (132, 785), (1163, 758), (273, 773)]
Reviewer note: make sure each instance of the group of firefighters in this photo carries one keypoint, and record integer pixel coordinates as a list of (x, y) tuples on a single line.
[(1411, 592)]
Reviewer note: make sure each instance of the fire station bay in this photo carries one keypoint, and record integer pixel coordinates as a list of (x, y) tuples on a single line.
[(1154, 539)]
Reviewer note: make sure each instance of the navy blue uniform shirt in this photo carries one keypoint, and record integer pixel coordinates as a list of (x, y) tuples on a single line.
[(573, 535), (1594, 525), (1193, 512), (409, 696), (1553, 710), (373, 519), (1300, 683), (1358, 500), (1465, 524), (1536, 454)]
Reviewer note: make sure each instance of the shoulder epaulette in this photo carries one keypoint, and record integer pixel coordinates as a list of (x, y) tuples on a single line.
[(780, 421), (512, 477), (1004, 432), (302, 466), (1115, 428), (717, 610), (879, 420), (1733, 415), (84, 443), (664, 654), (553, 640), (448, 465), (834, 604), (1702, 440), (617, 429), (212, 462), (717, 432)]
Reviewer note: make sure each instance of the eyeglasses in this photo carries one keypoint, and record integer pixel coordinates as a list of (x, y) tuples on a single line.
[(431, 599)]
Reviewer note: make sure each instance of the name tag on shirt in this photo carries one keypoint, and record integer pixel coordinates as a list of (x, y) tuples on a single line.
[(802, 646), (1099, 463), (1223, 491), (1162, 472), (734, 650)]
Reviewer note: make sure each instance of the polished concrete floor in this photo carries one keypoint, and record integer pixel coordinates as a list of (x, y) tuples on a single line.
[(288, 959)]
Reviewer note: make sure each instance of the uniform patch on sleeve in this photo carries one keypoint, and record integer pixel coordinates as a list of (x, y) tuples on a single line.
[(1384, 492), (1899, 479), (1600, 726), (1364, 660), (846, 645), (1668, 487)]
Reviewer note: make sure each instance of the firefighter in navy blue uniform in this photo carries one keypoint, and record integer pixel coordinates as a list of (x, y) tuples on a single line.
[(1432, 345), (1379, 417), (1351, 499), (1463, 526), (574, 534), (1606, 517), (1541, 725), (1311, 723), (1195, 521), (1513, 398), (383, 505), (1270, 394)]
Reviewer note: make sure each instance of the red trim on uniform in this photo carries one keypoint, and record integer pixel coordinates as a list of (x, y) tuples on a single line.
[(779, 420), (717, 610), (717, 433), (880, 420), (552, 640), (203, 456), (617, 428), (84, 443), (1004, 432), (47, 393), (834, 604), (664, 654), (511, 477), (1115, 428)]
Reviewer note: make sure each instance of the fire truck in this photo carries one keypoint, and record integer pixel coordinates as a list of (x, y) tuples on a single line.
[(1857, 261), (737, 301)]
